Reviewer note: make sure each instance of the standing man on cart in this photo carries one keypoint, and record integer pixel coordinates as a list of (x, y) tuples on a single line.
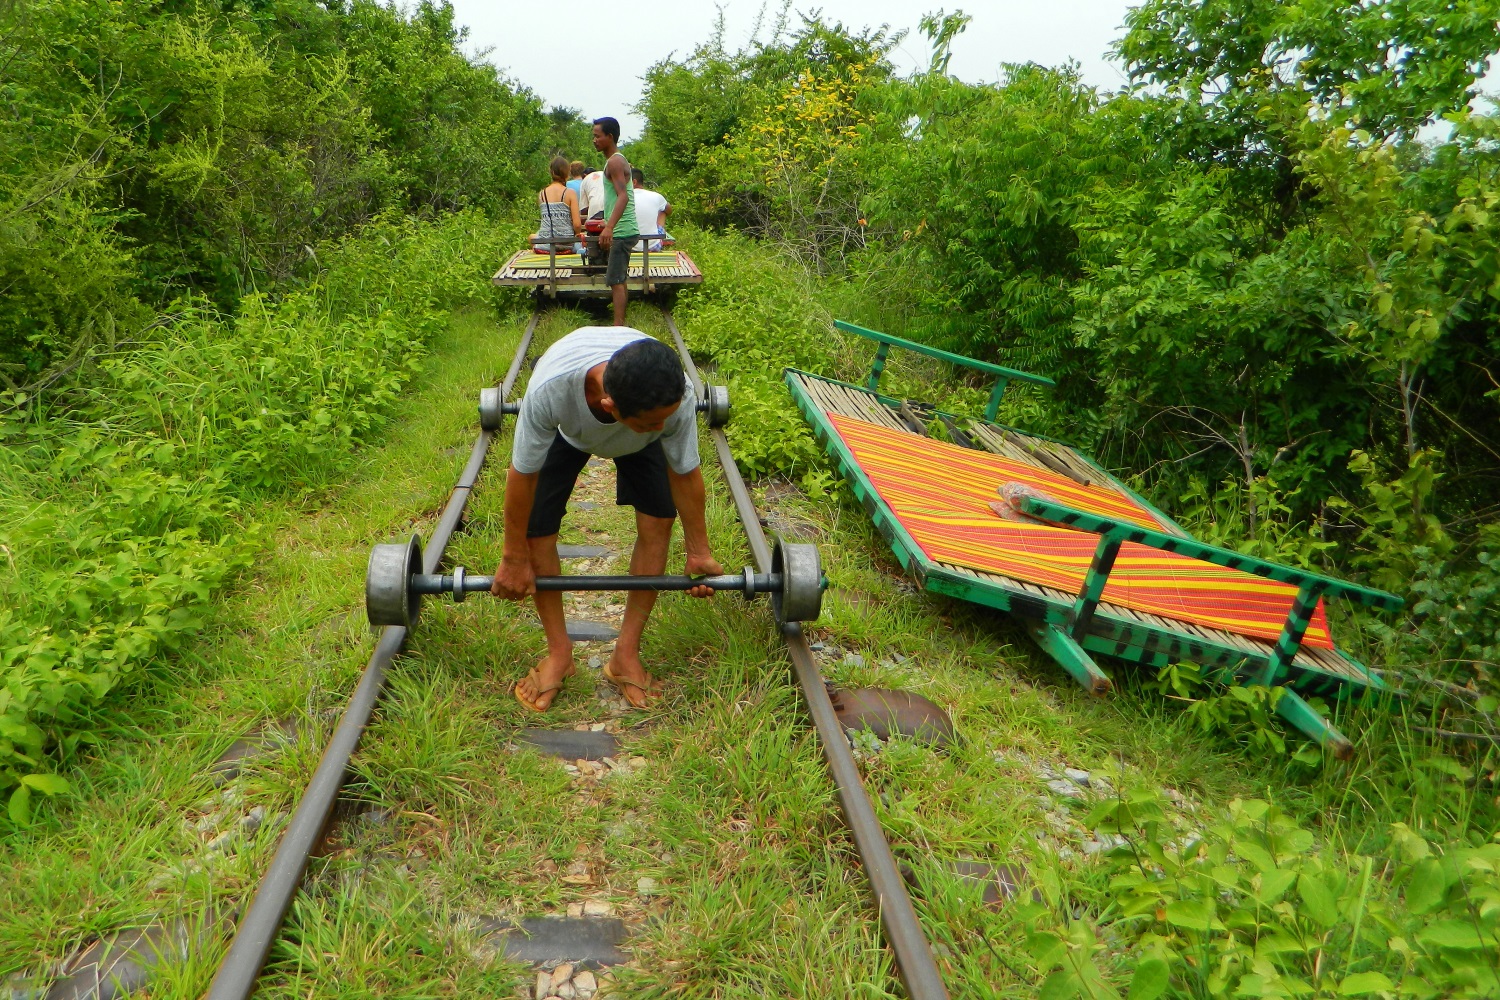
[(613, 392), (621, 231)]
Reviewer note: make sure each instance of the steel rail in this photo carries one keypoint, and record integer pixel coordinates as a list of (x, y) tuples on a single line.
[(257, 931), (897, 914)]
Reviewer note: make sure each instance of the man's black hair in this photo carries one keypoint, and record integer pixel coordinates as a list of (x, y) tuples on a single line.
[(609, 127), (638, 177), (644, 375)]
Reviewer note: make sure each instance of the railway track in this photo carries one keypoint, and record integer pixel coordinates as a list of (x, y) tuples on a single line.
[(258, 929)]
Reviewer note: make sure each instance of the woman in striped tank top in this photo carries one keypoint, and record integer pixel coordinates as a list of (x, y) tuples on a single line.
[(559, 205)]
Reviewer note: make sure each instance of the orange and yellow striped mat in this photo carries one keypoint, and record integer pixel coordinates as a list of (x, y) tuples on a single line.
[(940, 493)]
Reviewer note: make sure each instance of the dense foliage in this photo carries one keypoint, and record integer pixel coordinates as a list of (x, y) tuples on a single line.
[(124, 511), (157, 149), (1264, 294), (1249, 277), (213, 283)]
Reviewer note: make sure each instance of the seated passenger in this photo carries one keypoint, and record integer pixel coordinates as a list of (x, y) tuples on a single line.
[(591, 195), (651, 209), (576, 172), (561, 230)]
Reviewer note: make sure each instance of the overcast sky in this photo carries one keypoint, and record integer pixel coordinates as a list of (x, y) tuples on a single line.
[(597, 65)]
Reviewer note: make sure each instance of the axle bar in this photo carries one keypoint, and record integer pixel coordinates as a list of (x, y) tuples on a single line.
[(460, 582)]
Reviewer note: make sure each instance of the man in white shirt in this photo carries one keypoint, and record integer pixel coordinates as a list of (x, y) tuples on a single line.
[(591, 195), (651, 208), (616, 393)]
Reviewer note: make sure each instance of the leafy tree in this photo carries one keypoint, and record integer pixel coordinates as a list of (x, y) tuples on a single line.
[(205, 147), (1387, 67)]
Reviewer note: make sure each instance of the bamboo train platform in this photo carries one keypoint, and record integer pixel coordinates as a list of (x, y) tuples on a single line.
[(1033, 526), (565, 274)]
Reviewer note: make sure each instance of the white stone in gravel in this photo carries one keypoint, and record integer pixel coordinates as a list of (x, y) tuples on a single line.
[(646, 886), (566, 991), (562, 974), (1064, 787), (595, 662), (597, 727), (853, 660), (575, 909), (610, 761), (637, 762), (1080, 776), (585, 982), (253, 819), (597, 908), (543, 985)]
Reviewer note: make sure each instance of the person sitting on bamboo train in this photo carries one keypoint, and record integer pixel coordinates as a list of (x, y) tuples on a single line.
[(591, 208), (591, 195), (651, 209), (577, 170), (616, 393), (561, 229), (621, 231)]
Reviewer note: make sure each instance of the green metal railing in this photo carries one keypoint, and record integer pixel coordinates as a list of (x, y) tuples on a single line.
[(1310, 586), (1003, 375)]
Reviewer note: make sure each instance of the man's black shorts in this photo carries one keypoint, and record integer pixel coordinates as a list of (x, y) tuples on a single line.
[(640, 482), (619, 259)]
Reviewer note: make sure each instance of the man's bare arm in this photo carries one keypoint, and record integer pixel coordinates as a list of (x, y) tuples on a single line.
[(690, 497), (515, 577)]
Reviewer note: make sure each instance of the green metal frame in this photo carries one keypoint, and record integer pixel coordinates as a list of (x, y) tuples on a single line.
[(1070, 631), (887, 341)]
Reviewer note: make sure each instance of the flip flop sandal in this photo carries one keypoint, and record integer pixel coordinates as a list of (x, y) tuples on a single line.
[(651, 689), (531, 675)]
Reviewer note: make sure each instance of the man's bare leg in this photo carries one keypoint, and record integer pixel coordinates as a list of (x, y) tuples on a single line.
[(653, 538), (558, 663), (621, 295)]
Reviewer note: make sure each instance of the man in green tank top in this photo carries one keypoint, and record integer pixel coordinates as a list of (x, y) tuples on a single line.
[(621, 231)]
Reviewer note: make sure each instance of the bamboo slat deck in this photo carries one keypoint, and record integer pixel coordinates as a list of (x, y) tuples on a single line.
[(528, 269), (1127, 633)]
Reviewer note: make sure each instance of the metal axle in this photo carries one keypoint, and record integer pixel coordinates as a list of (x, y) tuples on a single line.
[(460, 584), (395, 583)]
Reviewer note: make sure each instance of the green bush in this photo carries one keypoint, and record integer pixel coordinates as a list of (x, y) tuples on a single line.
[(124, 514), (1250, 907), (756, 316), (206, 148)]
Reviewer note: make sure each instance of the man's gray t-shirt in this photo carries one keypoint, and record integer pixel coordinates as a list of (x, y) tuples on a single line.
[(554, 403)]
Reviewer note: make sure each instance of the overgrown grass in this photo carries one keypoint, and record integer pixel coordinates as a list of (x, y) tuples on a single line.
[(129, 501)]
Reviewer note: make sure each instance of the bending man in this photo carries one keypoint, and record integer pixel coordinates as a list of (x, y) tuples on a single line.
[(616, 393)]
